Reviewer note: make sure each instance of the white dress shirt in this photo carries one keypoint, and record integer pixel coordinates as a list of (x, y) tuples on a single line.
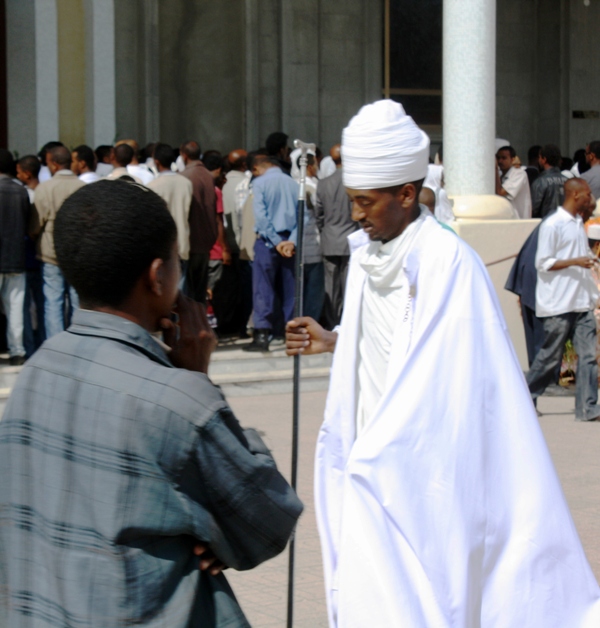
[(141, 172), (571, 289), (103, 170), (89, 177), (516, 186)]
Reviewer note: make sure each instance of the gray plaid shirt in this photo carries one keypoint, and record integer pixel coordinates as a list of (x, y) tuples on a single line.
[(112, 464)]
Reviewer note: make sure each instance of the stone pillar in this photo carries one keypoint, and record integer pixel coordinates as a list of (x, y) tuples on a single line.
[(100, 107), (484, 219), (32, 74), (469, 67), (151, 59)]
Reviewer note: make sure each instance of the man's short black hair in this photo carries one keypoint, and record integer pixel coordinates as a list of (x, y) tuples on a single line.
[(102, 152), (594, 148), (551, 153), (213, 160), (275, 142), (7, 162), (45, 148), (123, 154), (510, 149), (164, 155), (30, 164), (107, 234), (86, 154), (533, 153), (61, 156), (191, 149)]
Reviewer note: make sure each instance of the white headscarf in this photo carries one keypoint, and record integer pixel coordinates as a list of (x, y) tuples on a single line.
[(383, 147)]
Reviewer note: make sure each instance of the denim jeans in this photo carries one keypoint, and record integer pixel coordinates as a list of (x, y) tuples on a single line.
[(581, 326), (34, 294), (272, 276), (12, 293), (56, 289)]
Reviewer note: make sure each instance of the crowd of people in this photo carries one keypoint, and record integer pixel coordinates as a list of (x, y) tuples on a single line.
[(236, 221), (236, 225)]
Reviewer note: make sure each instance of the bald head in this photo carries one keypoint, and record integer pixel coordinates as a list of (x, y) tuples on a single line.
[(58, 158), (237, 159), (427, 198), (579, 198), (190, 151), (336, 154)]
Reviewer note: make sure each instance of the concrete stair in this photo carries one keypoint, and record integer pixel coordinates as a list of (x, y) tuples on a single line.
[(241, 374)]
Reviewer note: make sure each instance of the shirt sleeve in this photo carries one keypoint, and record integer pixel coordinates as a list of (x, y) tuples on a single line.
[(253, 506), (262, 224), (511, 185), (545, 256)]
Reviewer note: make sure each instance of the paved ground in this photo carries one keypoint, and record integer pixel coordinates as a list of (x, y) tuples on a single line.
[(575, 448)]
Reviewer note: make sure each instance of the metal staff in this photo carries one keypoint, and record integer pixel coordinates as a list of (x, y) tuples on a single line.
[(299, 279)]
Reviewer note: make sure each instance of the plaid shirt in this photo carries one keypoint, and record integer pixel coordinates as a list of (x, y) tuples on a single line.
[(112, 464)]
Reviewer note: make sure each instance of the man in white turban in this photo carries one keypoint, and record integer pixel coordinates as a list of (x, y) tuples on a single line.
[(437, 501)]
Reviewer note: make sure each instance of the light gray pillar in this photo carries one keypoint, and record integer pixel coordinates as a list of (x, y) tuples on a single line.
[(151, 71), (46, 54), (252, 105), (100, 109), (469, 87), (469, 62), (32, 74)]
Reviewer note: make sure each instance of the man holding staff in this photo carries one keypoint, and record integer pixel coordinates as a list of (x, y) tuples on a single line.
[(437, 501)]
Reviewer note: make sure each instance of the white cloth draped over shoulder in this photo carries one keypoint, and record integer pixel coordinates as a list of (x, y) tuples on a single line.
[(446, 510)]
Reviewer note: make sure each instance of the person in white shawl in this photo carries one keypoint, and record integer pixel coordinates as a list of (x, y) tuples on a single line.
[(437, 501)]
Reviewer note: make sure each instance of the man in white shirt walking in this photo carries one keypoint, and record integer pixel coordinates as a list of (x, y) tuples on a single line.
[(566, 296), (513, 184)]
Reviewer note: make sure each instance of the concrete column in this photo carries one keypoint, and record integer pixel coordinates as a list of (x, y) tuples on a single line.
[(100, 108), (469, 82), (151, 71), (46, 56)]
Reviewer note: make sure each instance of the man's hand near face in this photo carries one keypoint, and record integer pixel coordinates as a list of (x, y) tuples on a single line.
[(191, 338), (286, 248)]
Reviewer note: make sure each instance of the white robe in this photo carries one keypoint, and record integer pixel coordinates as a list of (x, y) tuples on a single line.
[(446, 510)]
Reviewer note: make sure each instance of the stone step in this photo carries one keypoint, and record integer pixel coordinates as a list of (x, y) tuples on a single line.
[(239, 373), (238, 361)]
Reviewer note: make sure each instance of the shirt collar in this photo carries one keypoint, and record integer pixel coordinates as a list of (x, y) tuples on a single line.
[(103, 325), (567, 214), (64, 172)]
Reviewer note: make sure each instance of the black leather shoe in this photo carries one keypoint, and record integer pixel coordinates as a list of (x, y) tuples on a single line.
[(17, 360), (260, 341)]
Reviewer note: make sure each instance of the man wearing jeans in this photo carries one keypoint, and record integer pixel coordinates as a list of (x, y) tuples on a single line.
[(566, 296), (14, 213), (49, 197)]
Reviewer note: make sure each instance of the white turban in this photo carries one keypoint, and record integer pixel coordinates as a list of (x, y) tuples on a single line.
[(383, 147)]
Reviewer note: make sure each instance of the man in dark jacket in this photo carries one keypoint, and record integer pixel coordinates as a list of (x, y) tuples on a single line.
[(120, 462), (547, 191), (334, 219), (14, 216), (203, 220)]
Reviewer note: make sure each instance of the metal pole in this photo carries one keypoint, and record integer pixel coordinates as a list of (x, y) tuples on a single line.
[(299, 279)]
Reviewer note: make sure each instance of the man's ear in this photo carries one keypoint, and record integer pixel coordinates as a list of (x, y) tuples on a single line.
[(407, 194), (156, 273)]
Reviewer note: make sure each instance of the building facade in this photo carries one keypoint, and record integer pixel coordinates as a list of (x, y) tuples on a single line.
[(229, 73)]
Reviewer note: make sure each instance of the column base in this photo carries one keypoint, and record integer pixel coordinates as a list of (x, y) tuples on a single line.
[(482, 207)]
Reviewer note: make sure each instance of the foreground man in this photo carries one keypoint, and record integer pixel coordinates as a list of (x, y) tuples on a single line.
[(120, 462), (437, 501)]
